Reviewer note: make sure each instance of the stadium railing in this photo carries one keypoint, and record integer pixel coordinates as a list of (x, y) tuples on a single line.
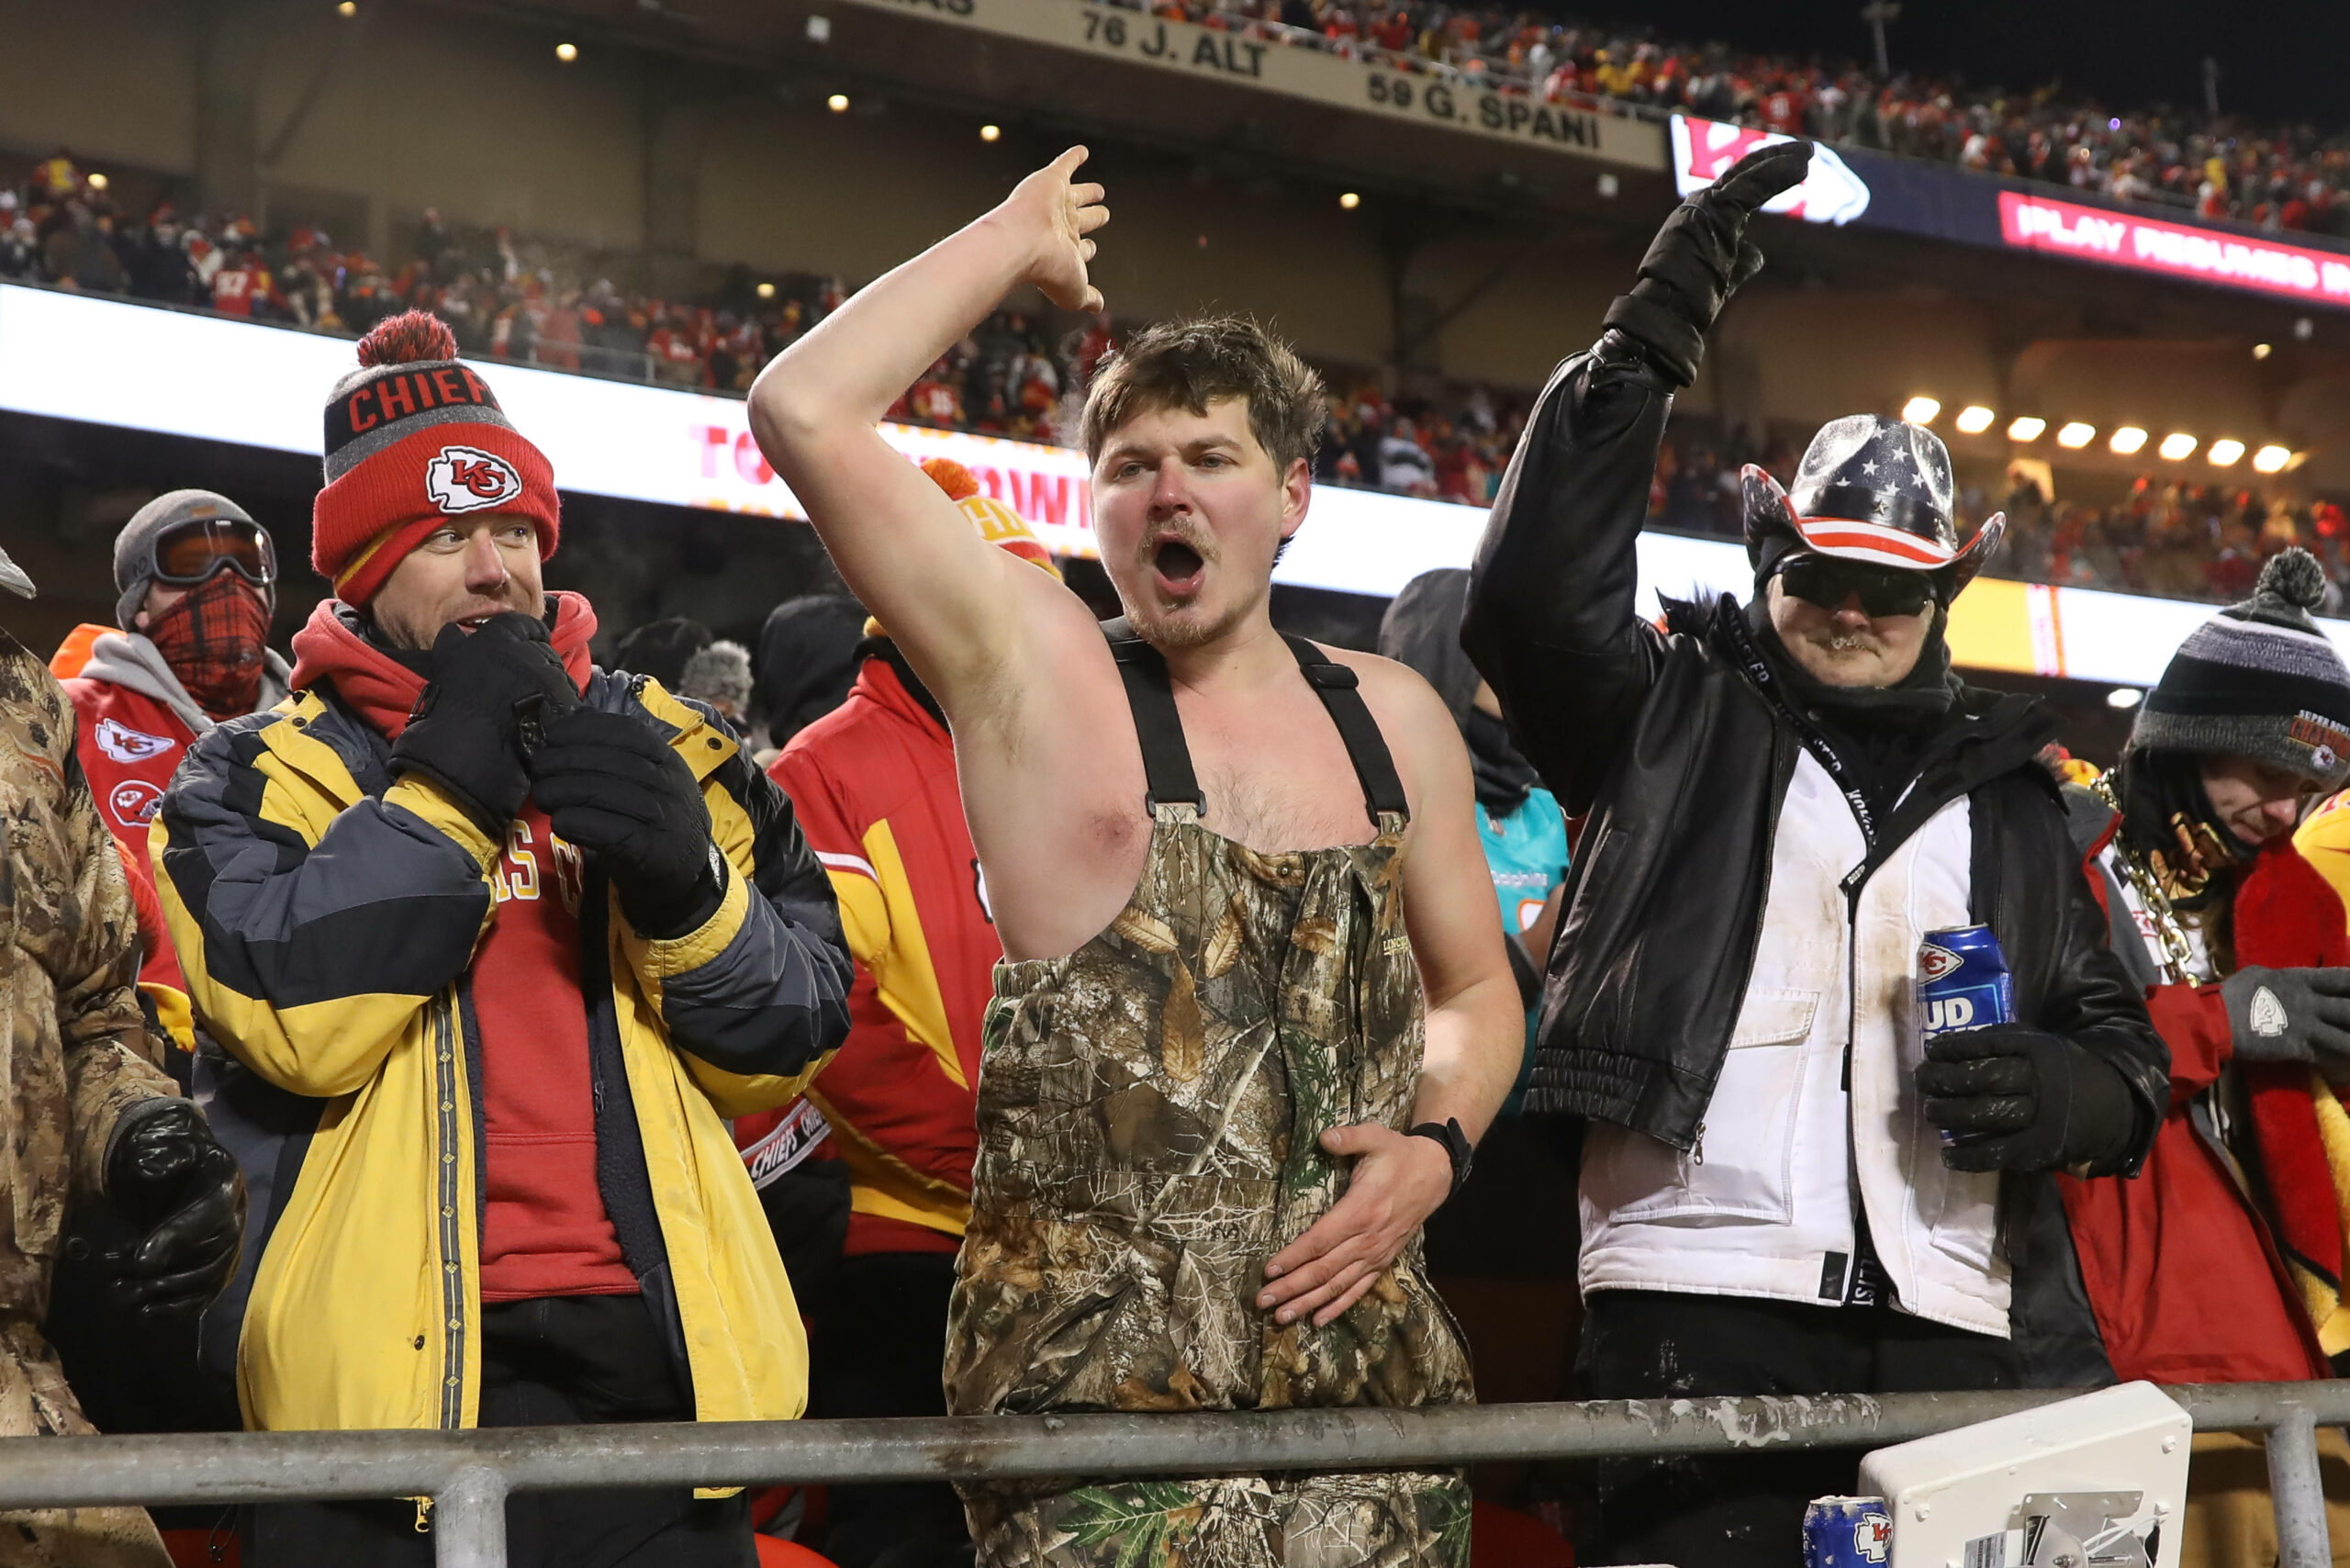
[(468, 1474)]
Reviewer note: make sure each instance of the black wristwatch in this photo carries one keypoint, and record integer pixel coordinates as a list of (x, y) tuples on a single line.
[(1457, 1147)]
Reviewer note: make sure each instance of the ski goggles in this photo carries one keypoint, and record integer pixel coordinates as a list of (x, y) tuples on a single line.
[(1831, 584), (189, 552)]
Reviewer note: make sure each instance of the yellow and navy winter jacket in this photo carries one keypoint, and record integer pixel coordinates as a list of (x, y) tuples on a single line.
[(326, 916)]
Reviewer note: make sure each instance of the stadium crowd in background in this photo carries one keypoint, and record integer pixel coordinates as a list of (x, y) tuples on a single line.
[(638, 939), (1017, 375), (2222, 166)]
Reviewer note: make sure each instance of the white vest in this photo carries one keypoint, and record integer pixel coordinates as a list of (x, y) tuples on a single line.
[(1763, 1205)]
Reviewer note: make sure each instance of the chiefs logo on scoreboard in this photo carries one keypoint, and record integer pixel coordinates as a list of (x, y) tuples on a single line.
[(1703, 148)]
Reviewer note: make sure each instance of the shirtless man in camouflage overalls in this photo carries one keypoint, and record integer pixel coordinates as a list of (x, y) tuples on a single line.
[(1255, 1006)]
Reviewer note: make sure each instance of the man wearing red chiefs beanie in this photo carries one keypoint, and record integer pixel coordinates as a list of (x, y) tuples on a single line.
[(529, 932)]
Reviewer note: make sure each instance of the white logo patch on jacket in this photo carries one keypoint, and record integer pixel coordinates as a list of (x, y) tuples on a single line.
[(123, 743), (465, 479)]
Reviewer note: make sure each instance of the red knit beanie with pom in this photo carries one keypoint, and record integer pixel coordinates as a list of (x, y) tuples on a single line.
[(413, 439)]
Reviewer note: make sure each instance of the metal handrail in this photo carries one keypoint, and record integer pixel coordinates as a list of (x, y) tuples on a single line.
[(471, 1472)]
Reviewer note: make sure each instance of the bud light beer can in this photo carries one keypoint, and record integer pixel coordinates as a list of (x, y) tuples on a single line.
[(1847, 1532), (1962, 981)]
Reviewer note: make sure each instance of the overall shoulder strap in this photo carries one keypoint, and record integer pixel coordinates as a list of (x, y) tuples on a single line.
[(1340, 692), (1166, 759)]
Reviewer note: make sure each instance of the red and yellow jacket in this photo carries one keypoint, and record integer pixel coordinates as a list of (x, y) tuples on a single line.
[(874, 785)]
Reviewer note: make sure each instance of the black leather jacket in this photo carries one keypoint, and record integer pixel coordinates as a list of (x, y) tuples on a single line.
[(1683, 767)]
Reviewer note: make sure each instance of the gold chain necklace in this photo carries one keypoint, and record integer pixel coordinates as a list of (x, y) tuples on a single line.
[(2178, 953)]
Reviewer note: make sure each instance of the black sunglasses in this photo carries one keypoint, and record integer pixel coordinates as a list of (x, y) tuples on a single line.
[(1828, 583)]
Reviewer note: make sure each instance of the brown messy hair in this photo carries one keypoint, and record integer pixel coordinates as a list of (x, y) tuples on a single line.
[(1188, 364)]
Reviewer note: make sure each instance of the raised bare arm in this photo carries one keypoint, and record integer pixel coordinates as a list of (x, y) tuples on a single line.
[(952, 602)]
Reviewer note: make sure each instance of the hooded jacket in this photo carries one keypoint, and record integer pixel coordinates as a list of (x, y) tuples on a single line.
[(2182, 1267), (135, 722), (1685, 767), (326, 916), (1519, 825)]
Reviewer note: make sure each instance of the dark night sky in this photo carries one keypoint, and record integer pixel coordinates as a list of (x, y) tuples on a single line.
[(2280, 60)]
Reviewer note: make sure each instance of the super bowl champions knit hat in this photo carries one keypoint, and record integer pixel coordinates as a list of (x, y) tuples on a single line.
[(413, 439), (2260, 680)]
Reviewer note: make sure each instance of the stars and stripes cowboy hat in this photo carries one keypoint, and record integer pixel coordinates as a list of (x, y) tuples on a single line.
[(1874, 490)]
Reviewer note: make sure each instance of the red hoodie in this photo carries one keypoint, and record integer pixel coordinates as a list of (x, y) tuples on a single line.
[(544, 1229)]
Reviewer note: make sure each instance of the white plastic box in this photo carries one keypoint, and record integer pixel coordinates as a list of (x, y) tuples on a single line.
[(2105, 1473)]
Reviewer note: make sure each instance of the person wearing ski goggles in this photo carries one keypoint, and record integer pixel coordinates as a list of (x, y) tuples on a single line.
[(197, 578)]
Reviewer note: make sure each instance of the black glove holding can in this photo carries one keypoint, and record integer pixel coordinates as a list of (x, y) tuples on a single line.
[(1700, 256), (468, 730), (615, 788), (172, 1180), (2014, 1098)]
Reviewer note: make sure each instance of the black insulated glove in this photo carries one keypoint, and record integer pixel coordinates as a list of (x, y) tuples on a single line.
[(467, 732), (169, 1178), (615, 788), (2017, 1098), (1700, 256), (2291, 1015)]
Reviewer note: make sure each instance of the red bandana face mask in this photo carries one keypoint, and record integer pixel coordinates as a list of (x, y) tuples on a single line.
[(213, 641)]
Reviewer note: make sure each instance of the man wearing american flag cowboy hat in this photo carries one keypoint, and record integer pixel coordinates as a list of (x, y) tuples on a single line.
[(1782, 1189)]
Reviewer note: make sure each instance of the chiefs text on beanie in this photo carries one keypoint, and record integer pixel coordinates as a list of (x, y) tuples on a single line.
[(413, 439)]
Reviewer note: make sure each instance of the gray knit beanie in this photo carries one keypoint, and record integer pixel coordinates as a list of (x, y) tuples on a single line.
[(2258, 679), (134, 547)]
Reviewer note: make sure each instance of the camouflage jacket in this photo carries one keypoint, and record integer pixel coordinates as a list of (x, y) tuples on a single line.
[(77, 1052)]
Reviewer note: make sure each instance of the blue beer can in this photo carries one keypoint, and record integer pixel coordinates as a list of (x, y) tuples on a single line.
[(1962, 981), (1847, 1532)]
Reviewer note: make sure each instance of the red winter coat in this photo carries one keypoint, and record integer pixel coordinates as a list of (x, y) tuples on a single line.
[(2182, 1269), (874, 785), (133, 722)]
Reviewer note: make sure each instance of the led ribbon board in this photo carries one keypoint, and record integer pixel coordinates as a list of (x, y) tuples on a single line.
[(106, 361)]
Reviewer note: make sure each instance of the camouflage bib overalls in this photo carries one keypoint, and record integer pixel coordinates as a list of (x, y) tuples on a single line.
[(1149, 1111)]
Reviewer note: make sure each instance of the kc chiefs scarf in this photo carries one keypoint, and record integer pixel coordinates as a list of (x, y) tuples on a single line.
[(2287, 916)]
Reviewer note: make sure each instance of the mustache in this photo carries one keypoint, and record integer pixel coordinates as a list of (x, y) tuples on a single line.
[(1178, 530)]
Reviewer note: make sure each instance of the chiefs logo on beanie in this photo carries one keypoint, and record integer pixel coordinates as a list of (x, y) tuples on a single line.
[(413, 439)]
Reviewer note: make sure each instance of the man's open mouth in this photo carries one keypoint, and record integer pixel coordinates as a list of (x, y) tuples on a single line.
[(1179, 566)]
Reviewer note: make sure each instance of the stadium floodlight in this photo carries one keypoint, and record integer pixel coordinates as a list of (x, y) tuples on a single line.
[(2272, 458), (2262, 351), (2124, 698), (990, 132), (2075, 435), (837, 103), (1974, 419), (767, 291), (2127, 441), (97, 182), (1922, 409), (2026, 427), (2224, 452), (1349, 200), (348, 8), (2176, 447), (567, 52)]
